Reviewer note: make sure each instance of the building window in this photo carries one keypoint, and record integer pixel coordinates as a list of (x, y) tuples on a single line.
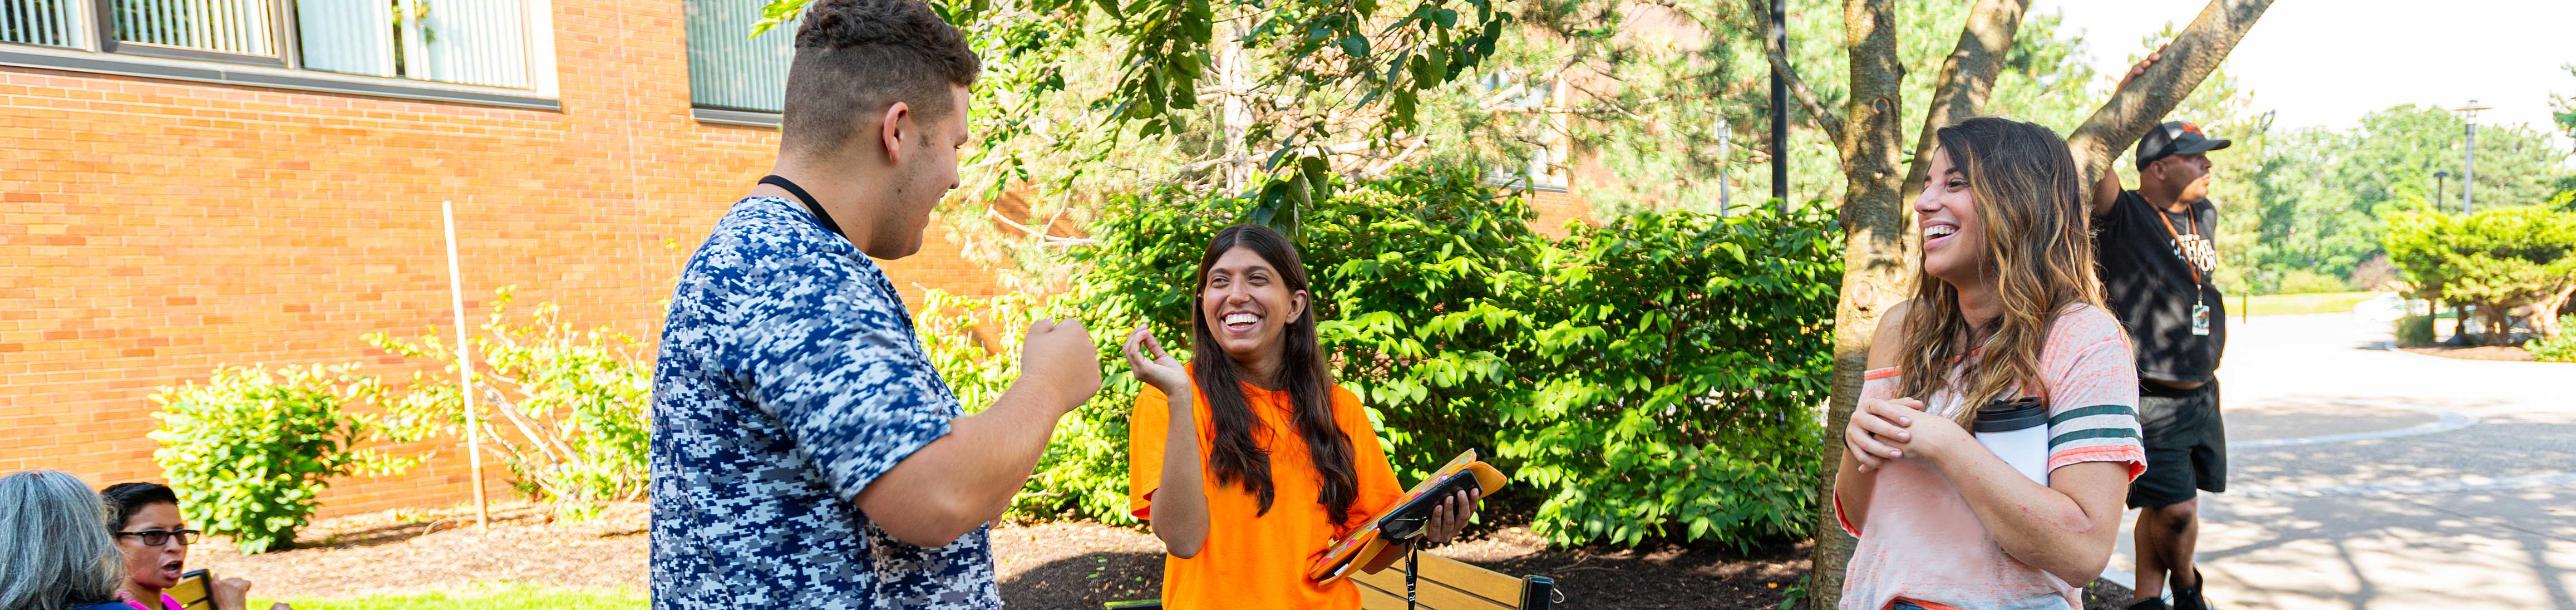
[(729, 69), (40, 22), (473, 42)]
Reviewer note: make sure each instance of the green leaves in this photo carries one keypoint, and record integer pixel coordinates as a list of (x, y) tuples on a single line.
[(250, 451), (572, 406), (1655, 377), (2561, 348), (2498, 260)]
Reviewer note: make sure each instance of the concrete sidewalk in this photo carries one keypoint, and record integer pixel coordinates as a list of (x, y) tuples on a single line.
[(2367, 478)]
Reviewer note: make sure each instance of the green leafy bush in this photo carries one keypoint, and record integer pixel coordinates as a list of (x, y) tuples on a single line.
[(1657, 377), (2415, 331), (1679, 360), (567, 410), (250, 452), (2560, 348), (2302, 281), (975, 345), (2497, 260)]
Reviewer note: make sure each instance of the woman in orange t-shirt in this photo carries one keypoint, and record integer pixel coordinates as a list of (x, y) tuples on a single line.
[(1249, 460)]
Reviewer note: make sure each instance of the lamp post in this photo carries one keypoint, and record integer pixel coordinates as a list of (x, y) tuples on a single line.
[(1780, 110), (2468, 196), (2469, 156), (2438, 180)]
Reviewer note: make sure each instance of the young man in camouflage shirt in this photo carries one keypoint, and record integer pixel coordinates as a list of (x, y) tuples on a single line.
[(805, 453)]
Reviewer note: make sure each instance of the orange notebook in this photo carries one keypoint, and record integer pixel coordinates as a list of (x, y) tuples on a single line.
[(1377, 543)]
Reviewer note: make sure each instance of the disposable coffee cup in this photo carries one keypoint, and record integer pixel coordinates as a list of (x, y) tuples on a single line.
[(2017, 431)]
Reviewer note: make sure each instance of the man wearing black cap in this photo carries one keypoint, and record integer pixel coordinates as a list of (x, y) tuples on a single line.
[(2157, 251)]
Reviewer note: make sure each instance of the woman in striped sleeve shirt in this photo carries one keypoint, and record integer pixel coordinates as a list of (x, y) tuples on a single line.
[(2006, 307)]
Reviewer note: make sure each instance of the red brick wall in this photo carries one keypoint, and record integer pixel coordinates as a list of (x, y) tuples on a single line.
[(1554, 209), (151, 230)]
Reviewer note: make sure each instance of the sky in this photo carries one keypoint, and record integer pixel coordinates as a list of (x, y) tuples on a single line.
[(2325, 63)]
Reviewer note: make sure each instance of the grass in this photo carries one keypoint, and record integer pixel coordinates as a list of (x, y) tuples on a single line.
[(2285, 304), (493, 596)]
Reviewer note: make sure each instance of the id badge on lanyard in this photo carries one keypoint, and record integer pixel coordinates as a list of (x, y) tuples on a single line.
[(2199, 318), (2199, 300)]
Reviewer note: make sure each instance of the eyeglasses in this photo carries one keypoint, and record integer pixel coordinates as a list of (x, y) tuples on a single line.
[(162, 537)]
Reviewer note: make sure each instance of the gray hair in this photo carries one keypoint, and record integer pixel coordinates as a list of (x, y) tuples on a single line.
[(54, 548)]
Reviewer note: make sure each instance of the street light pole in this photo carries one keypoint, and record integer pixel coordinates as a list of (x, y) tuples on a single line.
[(2469, 156), (1780, 110), (2439, 188), (1725, 135), (2468, 196)]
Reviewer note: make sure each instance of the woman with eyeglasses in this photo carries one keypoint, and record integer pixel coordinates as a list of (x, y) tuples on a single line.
[(144, 518), (1249, 460)]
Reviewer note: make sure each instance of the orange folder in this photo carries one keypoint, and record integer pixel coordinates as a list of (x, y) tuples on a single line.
[(1370, 550)]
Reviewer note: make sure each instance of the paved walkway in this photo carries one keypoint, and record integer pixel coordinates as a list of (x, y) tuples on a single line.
[(2368, 478)]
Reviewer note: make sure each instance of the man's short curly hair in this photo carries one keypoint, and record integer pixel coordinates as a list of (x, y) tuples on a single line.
[(855, 57)]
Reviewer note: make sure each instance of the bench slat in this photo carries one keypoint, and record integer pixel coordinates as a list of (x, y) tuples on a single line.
[(1467, 577), (1430, 595), (1446, 584)]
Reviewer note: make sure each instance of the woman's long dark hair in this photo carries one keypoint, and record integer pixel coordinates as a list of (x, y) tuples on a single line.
[(1302, 374)]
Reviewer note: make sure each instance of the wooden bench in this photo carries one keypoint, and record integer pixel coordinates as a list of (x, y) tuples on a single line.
[(1445, 584), (1449, 584)]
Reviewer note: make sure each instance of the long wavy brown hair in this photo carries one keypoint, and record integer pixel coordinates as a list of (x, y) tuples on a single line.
[(2037, 250), (1236, 455)]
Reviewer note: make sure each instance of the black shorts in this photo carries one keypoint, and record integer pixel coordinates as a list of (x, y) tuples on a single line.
[(2186, 444)]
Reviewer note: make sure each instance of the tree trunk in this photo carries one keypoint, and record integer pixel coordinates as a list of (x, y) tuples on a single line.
[(1968, 77), (1236, 112), (2544, 314), (2134, 109), (1876, 269)]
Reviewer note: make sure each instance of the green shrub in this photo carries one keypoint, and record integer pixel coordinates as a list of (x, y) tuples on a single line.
[(568, 411), (1684, 359), (2302, 281), (975, 344), (2495, 260), (2560, 348), (249, 453), (2415, 331), (1657, 377)]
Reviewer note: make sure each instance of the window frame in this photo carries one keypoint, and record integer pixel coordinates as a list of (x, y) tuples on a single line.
[(97, 50), (282, 34), (722, 114)]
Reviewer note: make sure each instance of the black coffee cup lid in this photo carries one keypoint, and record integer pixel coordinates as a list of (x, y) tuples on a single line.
[(2007, 416)]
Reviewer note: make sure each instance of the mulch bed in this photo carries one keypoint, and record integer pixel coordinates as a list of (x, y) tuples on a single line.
[(1047, 565), (2486, 352)]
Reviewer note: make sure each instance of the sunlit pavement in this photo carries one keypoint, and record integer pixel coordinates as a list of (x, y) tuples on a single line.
[(2367, 478)]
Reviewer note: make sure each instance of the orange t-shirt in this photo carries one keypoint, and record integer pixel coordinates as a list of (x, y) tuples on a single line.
[(1256, 562)]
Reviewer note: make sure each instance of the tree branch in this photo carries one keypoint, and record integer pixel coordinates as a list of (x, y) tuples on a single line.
[(1824, 118), (2141, 105), (1968, 77)]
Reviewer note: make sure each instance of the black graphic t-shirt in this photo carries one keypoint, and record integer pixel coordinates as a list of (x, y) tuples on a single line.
[(2150, 289)]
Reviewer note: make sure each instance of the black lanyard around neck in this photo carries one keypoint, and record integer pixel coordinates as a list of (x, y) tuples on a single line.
[(808, 200)]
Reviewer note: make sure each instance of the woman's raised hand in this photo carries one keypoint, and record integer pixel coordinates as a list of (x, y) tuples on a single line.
[(1152, 365), (1878, 430)]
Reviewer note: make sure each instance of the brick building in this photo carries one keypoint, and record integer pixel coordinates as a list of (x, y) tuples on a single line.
[(259, 181)]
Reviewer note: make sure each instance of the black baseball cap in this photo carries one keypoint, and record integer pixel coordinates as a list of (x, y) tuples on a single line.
[(2175, 138)]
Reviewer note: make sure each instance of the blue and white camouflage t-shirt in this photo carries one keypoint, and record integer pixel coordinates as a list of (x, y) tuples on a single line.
[(789, 379)]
